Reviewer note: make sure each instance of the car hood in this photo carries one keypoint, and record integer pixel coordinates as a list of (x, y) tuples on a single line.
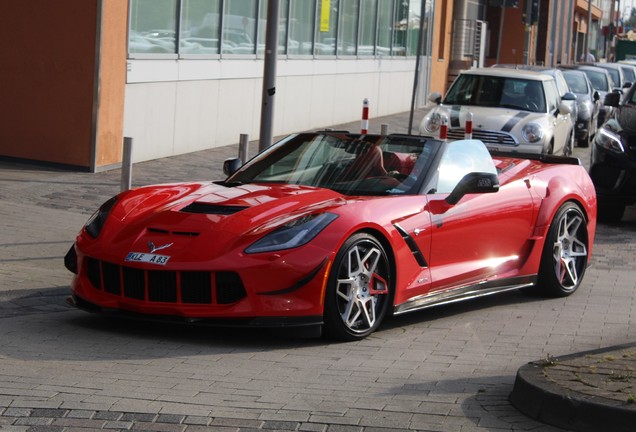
[(207, 215), (492, 118)]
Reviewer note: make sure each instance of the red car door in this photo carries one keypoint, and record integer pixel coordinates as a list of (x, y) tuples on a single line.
[(482, 236)]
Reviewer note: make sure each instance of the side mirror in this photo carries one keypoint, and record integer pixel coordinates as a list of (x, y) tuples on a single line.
[(475, 182), (612, 99), (435, 98), (569, 97), (231, 165), (627, 85), (596, 96)]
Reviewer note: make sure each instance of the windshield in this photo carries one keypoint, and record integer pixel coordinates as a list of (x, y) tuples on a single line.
[(497, 91), (598, 79), (347, 163), (576, 82)]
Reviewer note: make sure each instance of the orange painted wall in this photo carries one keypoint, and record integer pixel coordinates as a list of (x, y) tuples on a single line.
[(112, 84), (46, 80), (512, 42), (441, 46)]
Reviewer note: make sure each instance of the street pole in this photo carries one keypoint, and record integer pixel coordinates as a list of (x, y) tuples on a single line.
[(418, 68), (269, 75), (586, 45)]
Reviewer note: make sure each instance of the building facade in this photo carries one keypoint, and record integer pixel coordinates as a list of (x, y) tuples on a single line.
[(184, 75)]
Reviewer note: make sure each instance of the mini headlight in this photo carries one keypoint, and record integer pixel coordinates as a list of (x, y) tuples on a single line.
[(433, 122), (293, 234), (532, 132), (609, 140), (96, 221)]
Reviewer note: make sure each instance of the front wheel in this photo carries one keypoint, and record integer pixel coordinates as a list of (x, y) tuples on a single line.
[(565, 253), (359, 289)]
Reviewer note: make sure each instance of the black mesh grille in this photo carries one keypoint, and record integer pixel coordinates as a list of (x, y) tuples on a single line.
[(229, 287), (163, 286), (94, 273), (196, 287), (112, 281)]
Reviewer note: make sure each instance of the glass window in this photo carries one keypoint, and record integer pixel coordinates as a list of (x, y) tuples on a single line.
[(551, 95), (400, 31), (152, 26), (415, 7), (366, 42), (348, 27), (301, 27), (348, 32), (385, 27), (239, 27), (200, 26), (327, 19)]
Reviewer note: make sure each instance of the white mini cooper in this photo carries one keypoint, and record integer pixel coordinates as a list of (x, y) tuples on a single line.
[(513, 111)]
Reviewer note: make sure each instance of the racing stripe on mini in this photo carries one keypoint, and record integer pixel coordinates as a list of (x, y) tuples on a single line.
[(513, 121), (454, 116)]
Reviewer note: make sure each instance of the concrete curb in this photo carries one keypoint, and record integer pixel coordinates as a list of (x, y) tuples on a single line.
[(540, 398)]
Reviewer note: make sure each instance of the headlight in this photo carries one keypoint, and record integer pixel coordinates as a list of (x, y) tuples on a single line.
[(293, 234), (96, 221), (432, 122), (609, 140), (532, 132)]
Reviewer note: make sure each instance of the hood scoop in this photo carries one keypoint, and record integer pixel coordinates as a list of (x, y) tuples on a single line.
[(212, 209)]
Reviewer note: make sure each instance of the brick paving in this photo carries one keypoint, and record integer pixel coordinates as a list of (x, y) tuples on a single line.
[(450, 368)]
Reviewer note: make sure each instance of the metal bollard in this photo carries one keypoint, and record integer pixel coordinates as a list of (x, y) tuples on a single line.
[(126, 165), (243, 148), (384, 129)]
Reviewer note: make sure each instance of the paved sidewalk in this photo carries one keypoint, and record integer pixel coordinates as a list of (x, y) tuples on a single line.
[(42, 208)]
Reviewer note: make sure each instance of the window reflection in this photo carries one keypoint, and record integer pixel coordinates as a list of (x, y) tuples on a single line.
[(152, 26), (239, 27), (306, 27), (200, 30)]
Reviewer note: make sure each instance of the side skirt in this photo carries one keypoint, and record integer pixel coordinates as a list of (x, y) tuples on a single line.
[(466, 292)]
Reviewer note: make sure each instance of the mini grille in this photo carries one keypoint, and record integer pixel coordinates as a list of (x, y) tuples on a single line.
[(488, 137), (203, 208), (165, 286)]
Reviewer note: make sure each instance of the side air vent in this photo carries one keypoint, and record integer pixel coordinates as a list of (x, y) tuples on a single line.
[(214, 209), (415, 250)]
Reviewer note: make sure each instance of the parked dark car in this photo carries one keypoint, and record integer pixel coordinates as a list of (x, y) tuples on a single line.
[(602, 82), (613, 161), (618, 75), (588, 105)]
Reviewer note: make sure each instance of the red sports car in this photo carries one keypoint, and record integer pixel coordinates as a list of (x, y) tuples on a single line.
[(335, 231)]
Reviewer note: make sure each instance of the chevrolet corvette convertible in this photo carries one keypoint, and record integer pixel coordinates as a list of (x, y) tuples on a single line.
[(332, 232)]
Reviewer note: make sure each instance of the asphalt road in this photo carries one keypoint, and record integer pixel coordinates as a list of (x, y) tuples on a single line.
[(450, 368)]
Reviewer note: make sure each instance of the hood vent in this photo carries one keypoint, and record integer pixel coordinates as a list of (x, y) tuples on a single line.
[(177, 233), (212, 209)]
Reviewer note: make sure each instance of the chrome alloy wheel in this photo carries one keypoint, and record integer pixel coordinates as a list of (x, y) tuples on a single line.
[(359, 290), (569, 250)]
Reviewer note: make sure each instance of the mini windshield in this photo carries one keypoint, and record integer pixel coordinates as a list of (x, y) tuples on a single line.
[(497, 92), (347, 163)]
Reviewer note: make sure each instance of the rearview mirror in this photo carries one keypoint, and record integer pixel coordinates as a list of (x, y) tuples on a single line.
[(475, 182)]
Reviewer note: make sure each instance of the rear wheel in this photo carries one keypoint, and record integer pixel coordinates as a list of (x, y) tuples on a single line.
[(565, 253), (359, 289)]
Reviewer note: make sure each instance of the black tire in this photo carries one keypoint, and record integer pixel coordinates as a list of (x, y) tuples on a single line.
[(359, 289), (565, 252), (610, 213)]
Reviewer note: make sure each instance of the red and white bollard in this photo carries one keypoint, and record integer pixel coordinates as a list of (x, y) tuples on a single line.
[(364, 124), (443, 127), (468, 132)]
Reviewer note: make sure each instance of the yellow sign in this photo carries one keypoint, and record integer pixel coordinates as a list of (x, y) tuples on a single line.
[(325, 14)]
